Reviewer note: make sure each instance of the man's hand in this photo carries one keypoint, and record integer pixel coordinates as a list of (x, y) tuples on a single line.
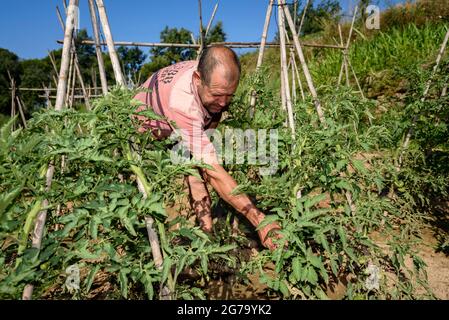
[(268, 233)]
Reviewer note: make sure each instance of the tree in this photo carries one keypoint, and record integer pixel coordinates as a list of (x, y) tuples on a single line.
[(132, 60), (34, 74), (216, 33), (164, 56), (9, 61)]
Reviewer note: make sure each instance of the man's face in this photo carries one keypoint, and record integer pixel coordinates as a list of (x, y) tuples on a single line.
[(217, 95)]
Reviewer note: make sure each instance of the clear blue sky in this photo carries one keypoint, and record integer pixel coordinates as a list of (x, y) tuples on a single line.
[(30, 28)]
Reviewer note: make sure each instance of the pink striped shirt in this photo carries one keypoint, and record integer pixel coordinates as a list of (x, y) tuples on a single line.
[(173, 95)]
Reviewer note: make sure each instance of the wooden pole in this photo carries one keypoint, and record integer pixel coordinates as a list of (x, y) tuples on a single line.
[(293, 78), (356, 79), (304, 64), (284, 70), (196, 46), (211, 19), (295, 10), (47, 98), (298, 78), (261, 52), (69, 84), (76, 65), (61, 93), (153, 238), (53, 63), (96, 32), (72, 89), (39, 224), (193, 38), (22, 115), (110, 42), (13, 97), (348, 42), (68, 37), (426, 91), (283, 99), (200, 50), (303, 16), (343, 57)]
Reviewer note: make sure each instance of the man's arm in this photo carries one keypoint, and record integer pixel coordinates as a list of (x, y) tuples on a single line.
[(224, 184)]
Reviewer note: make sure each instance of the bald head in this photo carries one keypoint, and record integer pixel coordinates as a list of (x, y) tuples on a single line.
[(219, 58)]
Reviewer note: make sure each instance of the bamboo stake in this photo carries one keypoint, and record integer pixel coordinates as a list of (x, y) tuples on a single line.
[(61, 92), (96, 32), (295, 10), (356, 79), (76, 64), (53, 63), (304, 64), (13, 103), (110, 42), (293, 78), (348, 42), (201, 29), (152, 237), (426, 91), (211, 19), (73, 84), (58, 13), (39, 225), (343, 60), (193, 38), (284, 71), (261, 52), (298, 78), (69, 84), (95, 84), (283, 99), (62, 80), (47, 98), (302, 18), (22, 115)]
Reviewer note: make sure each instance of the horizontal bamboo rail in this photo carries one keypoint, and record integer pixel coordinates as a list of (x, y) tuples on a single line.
[(196, 46), (51, 89)]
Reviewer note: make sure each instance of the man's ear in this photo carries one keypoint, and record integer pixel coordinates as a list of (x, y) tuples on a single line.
[(196, 78)]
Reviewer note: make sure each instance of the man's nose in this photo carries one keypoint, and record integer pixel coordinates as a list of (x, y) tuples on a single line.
[(222, 101)]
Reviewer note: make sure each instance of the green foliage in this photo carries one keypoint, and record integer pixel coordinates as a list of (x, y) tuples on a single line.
[(162, 57), (96, 215), (216, 33), (329, 235), (34, 74), (419, 12), (8, 62), (132, 60)]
